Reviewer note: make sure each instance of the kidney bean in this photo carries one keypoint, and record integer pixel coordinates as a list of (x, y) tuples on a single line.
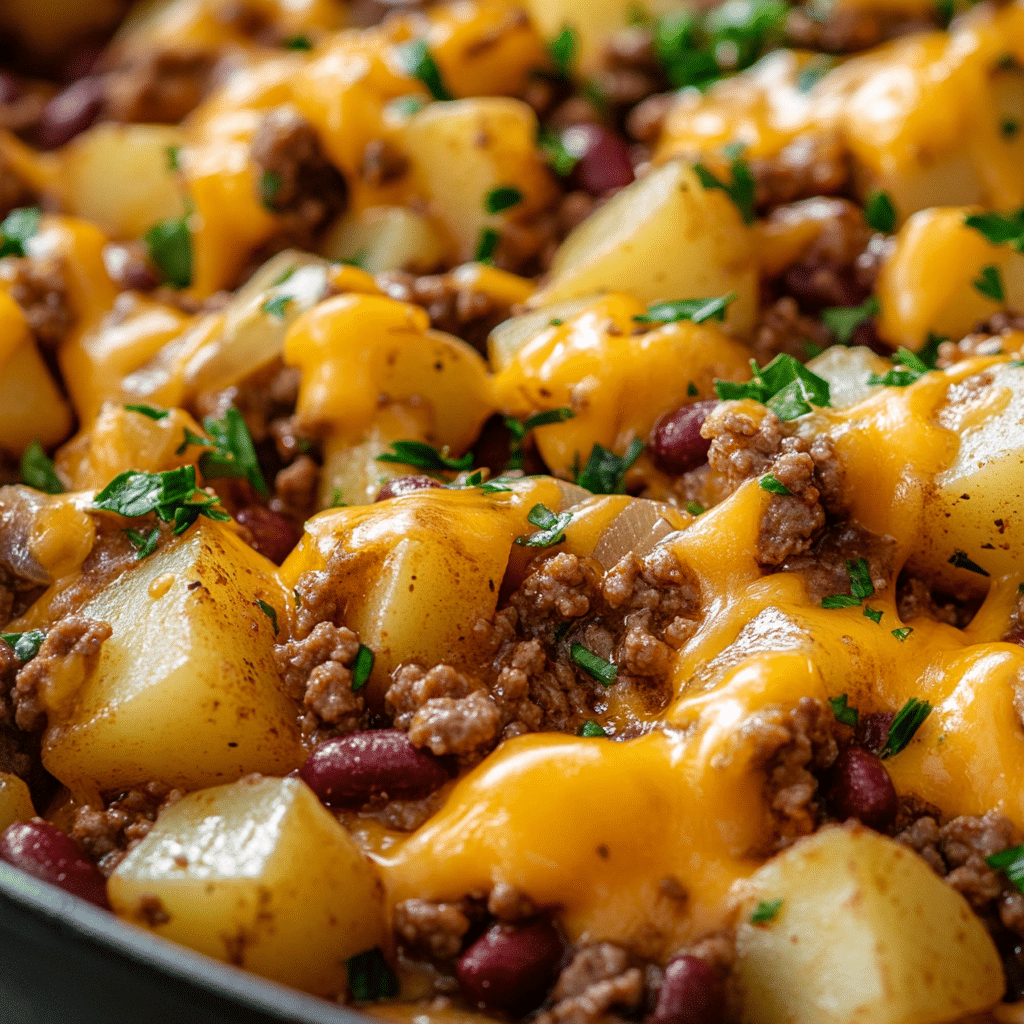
[(861, 788), (406, 485), (676, 443), (272, 534), (510, 968), (70, 112), (349, 771), (692, 993), (603, 162), (46, 853), (873, 730)]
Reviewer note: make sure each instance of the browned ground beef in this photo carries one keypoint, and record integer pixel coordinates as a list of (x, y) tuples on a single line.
[(852, 29), (782, 328), (39, 287), (823, 566), (432, 930), (158, 86), (810, 165), (597, 979)]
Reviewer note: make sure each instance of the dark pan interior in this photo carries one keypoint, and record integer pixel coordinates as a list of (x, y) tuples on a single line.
[(62, 961)]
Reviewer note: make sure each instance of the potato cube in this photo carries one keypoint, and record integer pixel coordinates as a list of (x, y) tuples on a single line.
[(866, 932), (185, 691), (257, 873)]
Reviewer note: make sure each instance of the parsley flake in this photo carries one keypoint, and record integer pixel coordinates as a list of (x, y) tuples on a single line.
[(504, 197), (1011, 863), (298, 43), (960, 560), (148, 410), (603, 671), (555, 152), (696, 310), (168, 494), (1000, 228), (563, 49), (907, 721), (769, 483), (766, 911), (695, 508), (843, 321), (362, 667), (418, 61), (268, 610), (691, 390), (170, 249), (486, 244), (551, 527), (17, 228), (233, 454), (840, 601), (144, 544), (421, 455), (370, 978), (173, 154), (740, 190), (990, 283), (406, 106), (1009, 128), (591, 729), (879, 212), (843, 713), (25, 645), (605, 472), (859, 573), (277, 305), (874, 614), (37, 470), (902, 633), (785, 385), (520, 428), (814, 71)]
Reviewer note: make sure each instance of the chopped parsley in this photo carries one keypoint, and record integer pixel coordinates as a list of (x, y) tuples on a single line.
[(843, 321), (418, 61), (1009, 128), (361, 667), (960, 560), (421, 455), (370, 978), (1011, 863), (298, 43), (144, 544), (814, 71), (740, 190), (879, 212), (173, 153), (769, 483), (504, 197), (37, 470), (551, 527), (1000, 228), (520, 428), (691, 390), (785, 385), (766, 911), (860, 578), (17, 228), (990, 283), (844, 714), (270, 186), (697, 310), (874, 614), (902, 633), (25, 645), (603, 671), (268, 610), (486, 244), (168, 494), (555, 152), (907, 721), (233, 453), (563, 49), (148, 410), (591, 729), (170, 249), (840, 601), (605, 472), (695, 508), (277, 305), (914, 367)]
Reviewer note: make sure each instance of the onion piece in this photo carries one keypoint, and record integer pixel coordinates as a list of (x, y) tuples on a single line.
[(19, 506), (637, 529)]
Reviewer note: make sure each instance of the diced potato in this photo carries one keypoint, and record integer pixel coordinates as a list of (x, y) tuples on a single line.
[(257, 873), (31, 406), (387, 238), (847, 370), (866, 932), (185, 690), (463, 150), (976, 504), (120, 177), (663, 237), (15, 800), (921, 290), (506, 341)]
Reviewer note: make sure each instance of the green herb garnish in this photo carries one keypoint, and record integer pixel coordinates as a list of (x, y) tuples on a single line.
[(844, 714), (144, 544), (843, 321), (563, 49), (268, 610), (418, 61), (907, 721), (697, 310), (785, 385), (551, 527), (769, 483), (695, 508), (168, 494), (486, 245), (960, 560), (148, 410), (740, 190), (990, 283), (840, 601), (561, 160), (605, 472), (879, 212), (25, 645), (370, 978), (860, 578), (766, 911), (902, 633), (233, 454), (603, 671), (591, 729), (874, 614), (421, 455), (1000, 228), (504, 197), (298, 43), (520, 428), (361, 667), (170, 249), (17, 228), (1011, 863), (37, 470), (1009, 128)]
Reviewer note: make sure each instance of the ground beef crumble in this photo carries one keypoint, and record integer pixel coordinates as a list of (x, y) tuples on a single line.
[(157, 86), (597, 979), (39, 287)]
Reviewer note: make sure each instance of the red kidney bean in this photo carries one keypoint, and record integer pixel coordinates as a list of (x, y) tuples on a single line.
[(70, 112), (511, 968), (272, 534), (349, 771), (692, 993), (406, 485), (603, 162), (43, 851), (873, 730), (861, 788), (676, 443)]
